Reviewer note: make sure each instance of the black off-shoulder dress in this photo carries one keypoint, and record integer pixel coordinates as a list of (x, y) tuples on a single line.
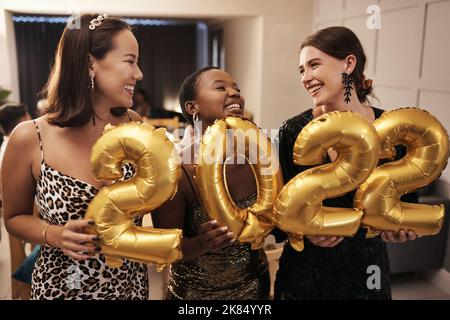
[(341, 272)]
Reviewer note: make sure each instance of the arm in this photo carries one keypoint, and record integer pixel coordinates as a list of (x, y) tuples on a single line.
[(18, 185), (172, 215)]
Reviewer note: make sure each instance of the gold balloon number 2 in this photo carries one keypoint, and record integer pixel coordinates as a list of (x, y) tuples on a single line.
[(427, 143), (299, 210), (115, 207)]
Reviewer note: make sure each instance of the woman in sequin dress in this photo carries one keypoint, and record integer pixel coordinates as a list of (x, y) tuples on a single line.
[(214, 266)]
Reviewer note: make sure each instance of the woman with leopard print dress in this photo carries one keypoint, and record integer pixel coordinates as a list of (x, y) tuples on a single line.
[(49, 158)]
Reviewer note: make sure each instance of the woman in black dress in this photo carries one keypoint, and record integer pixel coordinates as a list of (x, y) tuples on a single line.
[(333, 267)]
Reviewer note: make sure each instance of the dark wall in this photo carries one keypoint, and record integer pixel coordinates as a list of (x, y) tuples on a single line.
[(167, 56), (36, 45)]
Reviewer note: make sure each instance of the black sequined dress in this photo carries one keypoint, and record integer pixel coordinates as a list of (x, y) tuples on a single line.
[(235, 272)]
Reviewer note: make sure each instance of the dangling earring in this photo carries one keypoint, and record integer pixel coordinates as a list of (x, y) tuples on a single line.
[(92, 84), (197, 129), (347, 80)]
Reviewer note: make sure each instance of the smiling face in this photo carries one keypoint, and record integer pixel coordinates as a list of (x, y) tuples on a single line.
[(217, 96), (116, 74), (322, 76)]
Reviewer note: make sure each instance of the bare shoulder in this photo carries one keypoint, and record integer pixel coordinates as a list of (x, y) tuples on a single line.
[(22, 150), (25, 134), (28, 130), (190, 169), (187, 184), (184, 190), (134, 116)]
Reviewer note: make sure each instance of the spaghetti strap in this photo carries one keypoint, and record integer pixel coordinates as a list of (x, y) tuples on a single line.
[(40, 140), (192, 186)]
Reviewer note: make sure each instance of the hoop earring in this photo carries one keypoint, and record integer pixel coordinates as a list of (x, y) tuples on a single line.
[(92, 84), (195, 117), (347, 80)]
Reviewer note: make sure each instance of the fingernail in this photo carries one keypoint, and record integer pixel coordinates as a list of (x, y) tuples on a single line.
[(230, 234), (91, 222), (214, 221), (232, 240), (96, 238), (224, 229)]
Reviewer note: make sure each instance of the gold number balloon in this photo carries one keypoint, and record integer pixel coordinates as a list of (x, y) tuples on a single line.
[(244, 139), (115, 207), (299, 210), (428, 150)]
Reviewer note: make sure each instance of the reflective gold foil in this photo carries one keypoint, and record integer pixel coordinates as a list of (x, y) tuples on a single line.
[(299, 210), (114, 208), (428, 150), (250, 224)]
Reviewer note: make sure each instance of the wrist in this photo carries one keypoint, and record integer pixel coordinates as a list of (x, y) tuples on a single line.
[(192, 248), (45, 226), (201, 248), (54, 236)]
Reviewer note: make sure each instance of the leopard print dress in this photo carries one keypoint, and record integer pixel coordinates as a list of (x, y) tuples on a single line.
[(57, 276)]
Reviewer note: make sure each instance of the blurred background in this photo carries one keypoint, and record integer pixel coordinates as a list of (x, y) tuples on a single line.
[(257, 42)]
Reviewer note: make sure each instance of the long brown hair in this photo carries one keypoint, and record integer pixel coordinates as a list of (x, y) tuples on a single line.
[(340, 42), (68, 89)]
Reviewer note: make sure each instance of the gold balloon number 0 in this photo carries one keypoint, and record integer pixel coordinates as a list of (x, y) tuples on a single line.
[(299, 210), (225, 140), (115, 207)]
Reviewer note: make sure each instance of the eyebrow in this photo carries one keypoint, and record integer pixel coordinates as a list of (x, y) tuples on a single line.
[(223, 81), (132, 55), (309, 62)]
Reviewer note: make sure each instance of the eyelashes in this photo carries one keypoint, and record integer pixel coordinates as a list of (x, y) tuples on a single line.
[(313, 66), (223, 89)]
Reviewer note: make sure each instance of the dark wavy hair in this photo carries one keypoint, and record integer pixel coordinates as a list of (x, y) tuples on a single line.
[(188, 91), (68, 87), (340, 42)]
